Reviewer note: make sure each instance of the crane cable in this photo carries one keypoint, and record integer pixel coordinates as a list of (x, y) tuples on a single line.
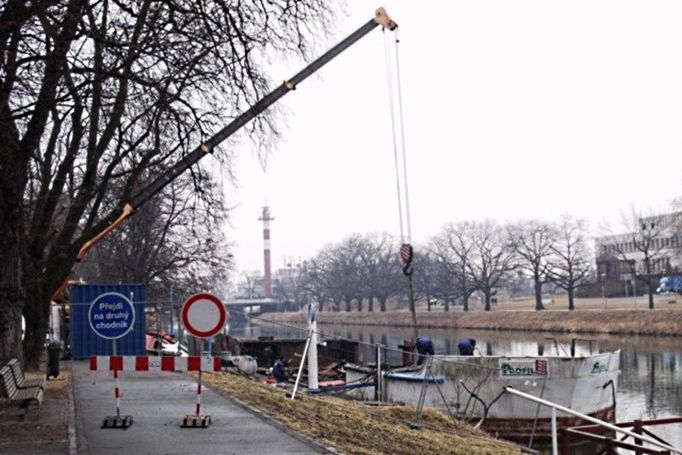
[(404, 222), (389, 83), (406, 250)]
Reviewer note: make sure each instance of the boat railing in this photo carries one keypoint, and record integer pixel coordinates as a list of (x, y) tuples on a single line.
[(592, 433), (570, 352), (557, 407)]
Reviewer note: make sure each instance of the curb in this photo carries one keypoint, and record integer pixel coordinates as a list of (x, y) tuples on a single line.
[(280, 426), (71, 418)]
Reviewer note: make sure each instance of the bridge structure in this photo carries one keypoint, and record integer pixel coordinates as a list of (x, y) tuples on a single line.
[(243, 308)]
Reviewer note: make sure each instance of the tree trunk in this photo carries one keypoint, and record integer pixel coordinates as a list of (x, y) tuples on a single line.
[(359, 304), (10, 327), (348, 302), (37, 314), (382, 305), (465, 302), (649, 287), (370, 304), (487, 300), (538, 295), (571, 304), (428, 303), (446, 305), (12, 184)]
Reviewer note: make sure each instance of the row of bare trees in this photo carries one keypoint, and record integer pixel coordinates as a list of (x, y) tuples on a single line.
[(464, 258)]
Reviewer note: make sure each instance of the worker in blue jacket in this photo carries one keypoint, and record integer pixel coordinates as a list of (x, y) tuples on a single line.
[(278, 370), (424, 348), (466, 346)]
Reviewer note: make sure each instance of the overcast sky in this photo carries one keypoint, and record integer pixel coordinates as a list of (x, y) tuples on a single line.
[(513, 110)]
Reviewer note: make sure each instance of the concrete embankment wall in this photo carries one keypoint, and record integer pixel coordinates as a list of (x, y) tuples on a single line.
[(640, 322)]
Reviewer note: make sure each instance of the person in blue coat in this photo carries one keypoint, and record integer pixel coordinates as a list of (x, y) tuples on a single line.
[(424, 348), (466, 346), (278, 370)]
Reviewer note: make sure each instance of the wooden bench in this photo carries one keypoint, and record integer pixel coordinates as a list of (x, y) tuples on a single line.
[(21, 380), (15, 395)]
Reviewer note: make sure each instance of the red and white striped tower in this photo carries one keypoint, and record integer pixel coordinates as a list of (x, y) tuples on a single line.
[(267, 277)]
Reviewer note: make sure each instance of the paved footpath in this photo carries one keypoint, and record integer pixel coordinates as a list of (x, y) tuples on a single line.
[(158, 401)]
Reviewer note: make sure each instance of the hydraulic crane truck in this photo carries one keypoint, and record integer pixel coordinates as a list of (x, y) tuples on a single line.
[(116, 218)]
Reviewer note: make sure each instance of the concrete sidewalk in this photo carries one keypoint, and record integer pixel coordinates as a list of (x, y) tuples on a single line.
[(158, 401)]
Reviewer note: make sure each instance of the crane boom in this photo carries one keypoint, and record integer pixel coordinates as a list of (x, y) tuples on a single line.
[(146, 193)]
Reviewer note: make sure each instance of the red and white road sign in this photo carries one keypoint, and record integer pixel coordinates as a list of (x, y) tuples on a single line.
[(203, 315)]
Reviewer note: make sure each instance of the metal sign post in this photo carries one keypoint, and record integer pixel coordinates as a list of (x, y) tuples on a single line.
[(203, 316), (112, 316)]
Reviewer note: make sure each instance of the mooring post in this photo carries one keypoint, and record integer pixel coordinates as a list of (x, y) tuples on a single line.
[(637, 428), (555, 443), (377, 388)]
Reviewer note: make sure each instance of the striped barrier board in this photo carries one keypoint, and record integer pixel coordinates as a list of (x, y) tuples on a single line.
[(154, 363)]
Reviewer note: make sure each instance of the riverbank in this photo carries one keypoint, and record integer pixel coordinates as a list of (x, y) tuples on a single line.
[(355, 428), (663, 322)]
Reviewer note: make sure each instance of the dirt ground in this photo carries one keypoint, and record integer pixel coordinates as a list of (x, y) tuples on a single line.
[(356, 428), (41, 426)]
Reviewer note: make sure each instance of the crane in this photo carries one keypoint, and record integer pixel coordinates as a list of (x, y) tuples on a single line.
[(116, 218)]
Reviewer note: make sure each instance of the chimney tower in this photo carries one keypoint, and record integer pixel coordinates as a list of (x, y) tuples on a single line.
[(267, 277)]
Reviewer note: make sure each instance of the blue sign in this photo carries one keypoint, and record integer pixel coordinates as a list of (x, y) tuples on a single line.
[(111, 315)]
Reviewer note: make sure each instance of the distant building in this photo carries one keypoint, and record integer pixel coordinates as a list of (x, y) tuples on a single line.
[(618, 255), (283, 282)]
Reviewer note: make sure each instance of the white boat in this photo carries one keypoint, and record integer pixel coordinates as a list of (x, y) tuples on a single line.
[(473, 388)]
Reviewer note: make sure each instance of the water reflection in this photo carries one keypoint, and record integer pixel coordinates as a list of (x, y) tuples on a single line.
[(650, 385)]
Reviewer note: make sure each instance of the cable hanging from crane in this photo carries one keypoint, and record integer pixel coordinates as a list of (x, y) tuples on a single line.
[(406, 250), (398, 136)]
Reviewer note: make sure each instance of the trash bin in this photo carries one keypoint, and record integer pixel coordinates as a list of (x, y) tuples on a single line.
[(54, 350)]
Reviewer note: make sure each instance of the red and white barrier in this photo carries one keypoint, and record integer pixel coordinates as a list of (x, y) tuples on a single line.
[(153, 363)]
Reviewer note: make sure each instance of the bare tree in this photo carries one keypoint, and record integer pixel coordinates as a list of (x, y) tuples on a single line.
[(313, 280), (92, 94), (456, 248), (492, 257), (424, 276), (176, 241), (380, 274), (532, 241), (571, 262), (291, 287)]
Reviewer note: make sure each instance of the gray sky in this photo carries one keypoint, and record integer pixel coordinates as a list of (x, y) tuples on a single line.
[(513, 109)]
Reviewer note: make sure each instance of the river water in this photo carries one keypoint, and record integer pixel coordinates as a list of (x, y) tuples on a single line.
[(650, 385)]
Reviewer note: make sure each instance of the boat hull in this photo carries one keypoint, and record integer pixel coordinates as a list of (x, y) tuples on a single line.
[(472, 388), (520, 430)]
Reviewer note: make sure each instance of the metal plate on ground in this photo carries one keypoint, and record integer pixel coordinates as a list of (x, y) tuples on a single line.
[(194, 421), (117, 422)]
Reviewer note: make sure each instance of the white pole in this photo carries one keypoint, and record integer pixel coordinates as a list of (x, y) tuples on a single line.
[(608, 425), (198, 406), (313, 383), (117, 391), (555, 442), (300, 368)]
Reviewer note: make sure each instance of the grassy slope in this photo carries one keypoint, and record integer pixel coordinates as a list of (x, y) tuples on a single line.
[(627, 321), (355, 428)]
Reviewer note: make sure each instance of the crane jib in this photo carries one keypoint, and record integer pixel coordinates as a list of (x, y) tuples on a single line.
[(199, 152), (115, 219)]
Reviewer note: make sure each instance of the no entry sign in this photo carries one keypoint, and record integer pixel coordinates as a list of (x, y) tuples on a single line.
[(203, 315), (111, 315)]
